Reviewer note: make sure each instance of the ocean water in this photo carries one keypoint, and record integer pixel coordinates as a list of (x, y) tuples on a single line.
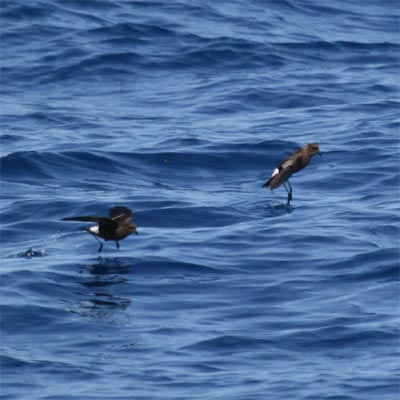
[(181, 110)]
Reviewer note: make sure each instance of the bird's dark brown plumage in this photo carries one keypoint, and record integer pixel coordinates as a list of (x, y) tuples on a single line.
[(116, 227), (294, 163)]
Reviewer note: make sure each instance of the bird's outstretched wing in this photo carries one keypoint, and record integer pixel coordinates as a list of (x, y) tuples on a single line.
[(106, 223), (121, 214)]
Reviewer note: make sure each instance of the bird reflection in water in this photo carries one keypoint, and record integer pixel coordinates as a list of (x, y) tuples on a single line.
[(99, 299), (277, 210)]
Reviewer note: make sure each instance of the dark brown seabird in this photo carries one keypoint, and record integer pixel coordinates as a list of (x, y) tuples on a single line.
[(290, 166), (117, 227)]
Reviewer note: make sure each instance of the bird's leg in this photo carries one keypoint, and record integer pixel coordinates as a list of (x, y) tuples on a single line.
[(291, 190), (284, 185), (117, 243), (289, 194), (101, 243)]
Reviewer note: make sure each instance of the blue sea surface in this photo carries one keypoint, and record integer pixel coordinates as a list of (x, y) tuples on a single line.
[(181, 110)]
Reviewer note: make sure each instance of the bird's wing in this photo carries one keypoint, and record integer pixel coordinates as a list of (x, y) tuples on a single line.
[(285, 170), (107, 223), (276, 172), (121, 214), (292, 161), (282, 177)]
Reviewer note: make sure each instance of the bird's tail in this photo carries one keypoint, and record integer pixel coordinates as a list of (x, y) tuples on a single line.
[(266, 184)]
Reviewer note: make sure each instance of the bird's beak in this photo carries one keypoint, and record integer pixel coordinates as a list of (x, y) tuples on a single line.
[(320, 154), (136, 232)]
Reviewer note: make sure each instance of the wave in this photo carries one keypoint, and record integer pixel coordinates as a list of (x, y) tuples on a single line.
[(25, 166)]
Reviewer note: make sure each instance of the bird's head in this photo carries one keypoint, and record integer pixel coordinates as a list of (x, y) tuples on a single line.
[(132, 228), (313, 148)]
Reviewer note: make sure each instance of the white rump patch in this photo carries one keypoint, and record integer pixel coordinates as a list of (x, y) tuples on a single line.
[(276, 172), (94, 230)]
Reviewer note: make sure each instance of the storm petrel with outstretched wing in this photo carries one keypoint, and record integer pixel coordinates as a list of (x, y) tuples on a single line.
[(117, 227), (290, 166)]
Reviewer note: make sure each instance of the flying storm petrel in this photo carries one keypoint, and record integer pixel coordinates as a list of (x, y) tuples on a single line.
[(290, 166), (117, 227)]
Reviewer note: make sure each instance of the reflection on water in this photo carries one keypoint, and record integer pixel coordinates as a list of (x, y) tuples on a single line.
[(108, 266), (98, 295), (277, 210)]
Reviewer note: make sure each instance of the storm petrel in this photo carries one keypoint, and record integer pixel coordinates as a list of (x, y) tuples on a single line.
[(290, 166), (116, 227)]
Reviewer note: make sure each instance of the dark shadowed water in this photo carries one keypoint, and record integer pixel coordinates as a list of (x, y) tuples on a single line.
[(181, 110)]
